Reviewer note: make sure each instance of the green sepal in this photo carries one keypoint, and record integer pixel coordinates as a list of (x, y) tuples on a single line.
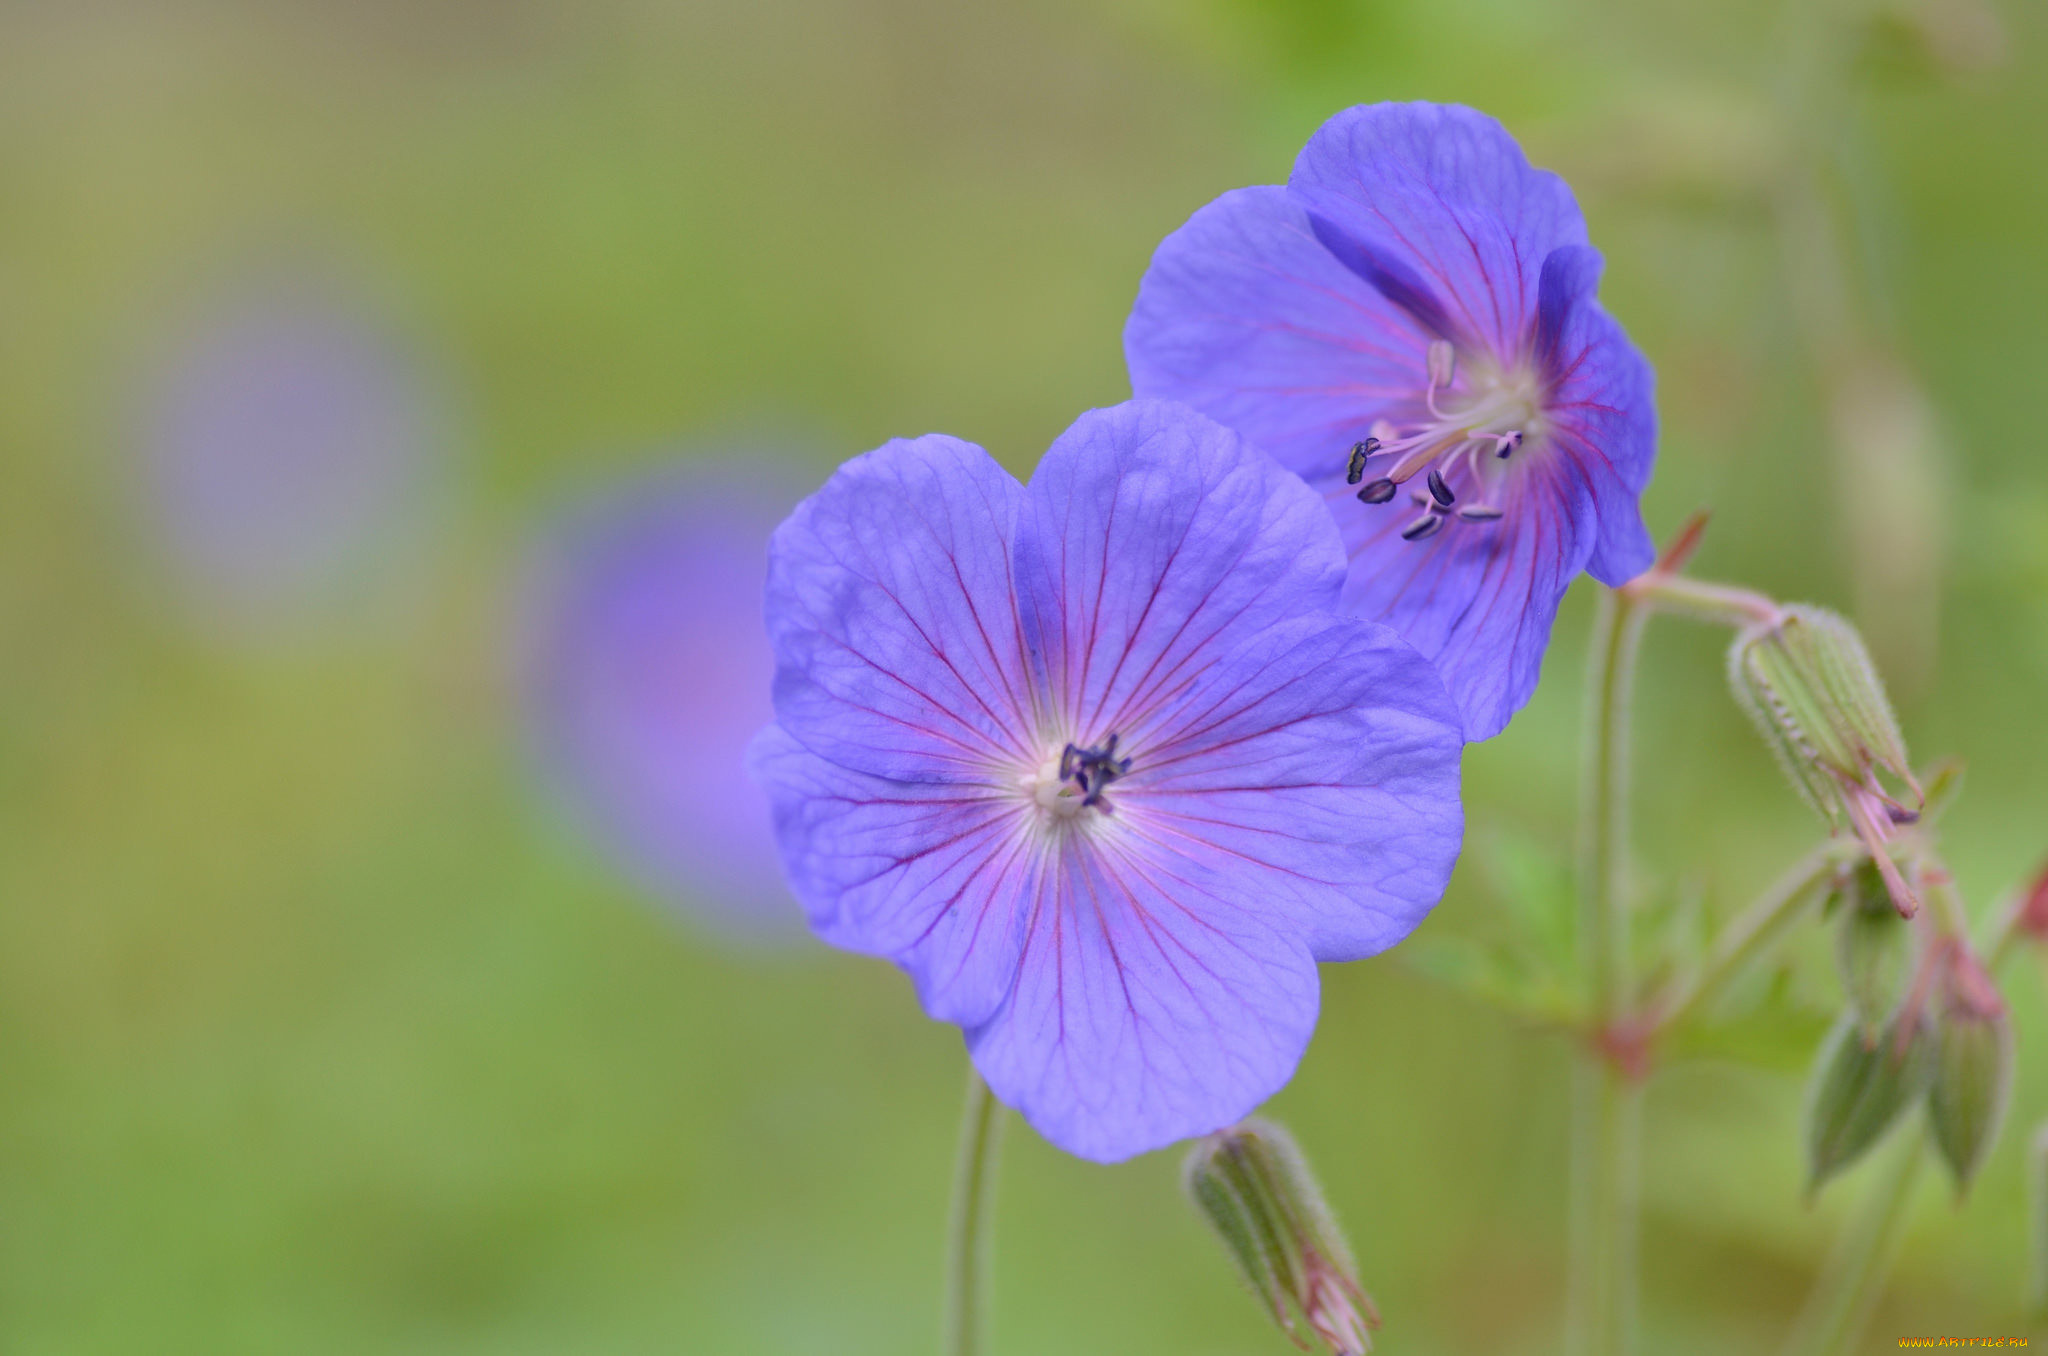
[(1972, 1082), (1859, 1090), (1873, 950), (1255, 1189), (1813, 694)]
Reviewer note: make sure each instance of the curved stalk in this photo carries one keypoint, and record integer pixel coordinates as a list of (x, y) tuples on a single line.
[(972, 1230), (1751, 935)]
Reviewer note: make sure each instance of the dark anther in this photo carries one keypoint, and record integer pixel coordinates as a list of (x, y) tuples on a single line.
[(1359, 452), (1092, 770), (1479, 513), (1439, 490), (1422, 527), (1378, 492), (1509, 444)]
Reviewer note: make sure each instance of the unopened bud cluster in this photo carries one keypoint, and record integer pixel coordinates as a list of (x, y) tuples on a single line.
[(1254, 1188), (1809, 686), (1939, 1036)]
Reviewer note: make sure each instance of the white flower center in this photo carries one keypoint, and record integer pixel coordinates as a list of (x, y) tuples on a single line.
[(1075, 778), (1051, 793)]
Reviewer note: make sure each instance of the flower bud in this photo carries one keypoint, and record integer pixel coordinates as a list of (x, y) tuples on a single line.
[(1809, 687), (1255, 1189), (1972, 1066), (1873, 950), (1859, 1089)]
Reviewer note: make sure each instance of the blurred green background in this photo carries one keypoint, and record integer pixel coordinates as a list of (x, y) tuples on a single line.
[(319, 1032)]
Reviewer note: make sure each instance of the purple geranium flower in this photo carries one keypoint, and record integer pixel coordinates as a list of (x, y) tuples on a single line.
[(1410, 324), (647, 672), (1096, 762)]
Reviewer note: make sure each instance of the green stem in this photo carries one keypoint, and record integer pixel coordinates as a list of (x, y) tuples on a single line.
[(1854, 1274), (1752, 934), (972, 1230), (1606, 1156), (1666, 591), (1603, 806), (1606, 1100)]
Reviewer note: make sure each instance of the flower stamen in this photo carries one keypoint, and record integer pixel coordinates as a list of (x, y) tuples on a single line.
[(1446, 448), (1090, 770)]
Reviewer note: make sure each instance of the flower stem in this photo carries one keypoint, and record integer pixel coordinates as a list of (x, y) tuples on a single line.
[(1603, 806), (1606, 1138), (1849, 1282), (972, 1230), (1667, 591), (1606, 1098), (1752, 934)]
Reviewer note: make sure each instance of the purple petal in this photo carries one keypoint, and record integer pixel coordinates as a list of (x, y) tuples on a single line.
[(891, 608), (1156, 542), (1603, 416), (1314, 777), (1246, 316), (1479, 603), (1445, 191), (936, 876), (1147, 1008), (1388, 276), (1571, 277)]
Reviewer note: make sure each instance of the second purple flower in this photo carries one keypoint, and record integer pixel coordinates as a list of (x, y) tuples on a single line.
[(1411, 325)]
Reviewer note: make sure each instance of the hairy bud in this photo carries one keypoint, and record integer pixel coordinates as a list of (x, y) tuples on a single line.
[(1859, 1089), (1972, 1065), (1255, 1189), (1807, 682)]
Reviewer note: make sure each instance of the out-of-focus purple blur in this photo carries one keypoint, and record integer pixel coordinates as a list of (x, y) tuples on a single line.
[(647, 673), (292, 447)]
